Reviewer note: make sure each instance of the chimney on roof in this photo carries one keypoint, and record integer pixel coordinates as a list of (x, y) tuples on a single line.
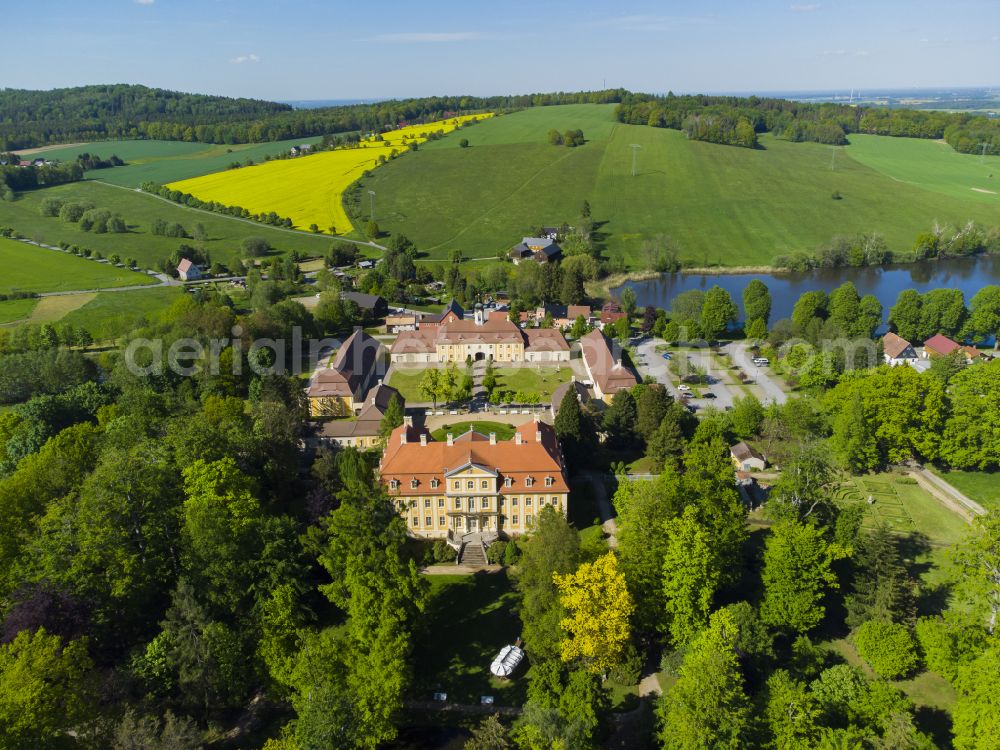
[(538, 436), (493, 438), (517, 438), (402, 437), (408, 421), (423, 438), (451, 439)]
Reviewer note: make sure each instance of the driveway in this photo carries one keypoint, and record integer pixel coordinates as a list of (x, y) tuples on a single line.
[(761, 376), (651, 363)]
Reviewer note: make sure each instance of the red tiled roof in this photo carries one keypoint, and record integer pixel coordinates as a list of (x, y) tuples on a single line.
[(894, 345), (940, 344), (411, 460)]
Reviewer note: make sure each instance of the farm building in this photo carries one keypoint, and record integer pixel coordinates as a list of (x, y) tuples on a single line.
[(338, 389), (541, 249), (371, 305), (363, 432)]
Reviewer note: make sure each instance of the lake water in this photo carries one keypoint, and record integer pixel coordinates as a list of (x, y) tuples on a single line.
[(967, 274)]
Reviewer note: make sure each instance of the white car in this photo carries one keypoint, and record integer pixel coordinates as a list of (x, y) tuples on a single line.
[(762, 361), (684, 388)]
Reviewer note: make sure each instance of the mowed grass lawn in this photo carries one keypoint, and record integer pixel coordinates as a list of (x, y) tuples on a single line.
[(467, 621), (140, 211), (36, 269), (981, 486), (541, 380), (720, 204)]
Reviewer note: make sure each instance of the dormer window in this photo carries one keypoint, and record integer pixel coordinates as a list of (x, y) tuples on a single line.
[(394, 484), (435, 483), (528, 481), (508, 481), (548, 481), (414, 484)]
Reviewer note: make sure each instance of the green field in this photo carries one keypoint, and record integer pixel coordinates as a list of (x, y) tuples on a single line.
[(16, 309), (167, 161), (542, 380), (931, 165), (113, 314), (720, 204), (139, 211), (36, 269)]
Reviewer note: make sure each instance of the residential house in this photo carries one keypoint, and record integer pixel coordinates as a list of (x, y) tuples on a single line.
[(454, 338), (371, 305), (364, 431), (540, 249), (605, 366), (474, 483), (188, 271), (747, 458), (338, 389), (897, 350)]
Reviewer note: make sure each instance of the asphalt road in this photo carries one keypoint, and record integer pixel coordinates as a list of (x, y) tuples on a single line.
[(761, 375)]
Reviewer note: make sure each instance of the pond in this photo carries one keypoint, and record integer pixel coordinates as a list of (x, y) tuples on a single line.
[(885, 282)]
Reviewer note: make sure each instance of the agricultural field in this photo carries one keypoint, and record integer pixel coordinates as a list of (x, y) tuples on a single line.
[(931, 165), (34, 269), (720, 204), (16, 310), (166, 161), (140, 210), (309, 190)]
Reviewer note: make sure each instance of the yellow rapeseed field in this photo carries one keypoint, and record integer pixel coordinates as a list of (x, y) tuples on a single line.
[(309, 189)]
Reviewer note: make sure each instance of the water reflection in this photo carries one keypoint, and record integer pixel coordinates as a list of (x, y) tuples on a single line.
[(966, 274)]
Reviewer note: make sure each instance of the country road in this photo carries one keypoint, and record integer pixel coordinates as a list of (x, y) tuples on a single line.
[(761, 376)]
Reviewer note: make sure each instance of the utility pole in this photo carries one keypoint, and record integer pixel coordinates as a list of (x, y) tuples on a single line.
[(371, 202), (635, 148)]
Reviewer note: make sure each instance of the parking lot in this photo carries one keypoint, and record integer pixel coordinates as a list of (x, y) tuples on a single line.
[(723, 386)]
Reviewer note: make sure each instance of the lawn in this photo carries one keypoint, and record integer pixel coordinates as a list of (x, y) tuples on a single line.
[(467, 621), (407, 382), (16, 309), (904, 508), (503, 431), (36, 269), (542, 380), (309, 189), (720, 204), (981, 486), (113, 314), (51, 309), (139, 211)]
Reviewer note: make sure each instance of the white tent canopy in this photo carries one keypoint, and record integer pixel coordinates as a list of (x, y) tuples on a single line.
[(506, 661)]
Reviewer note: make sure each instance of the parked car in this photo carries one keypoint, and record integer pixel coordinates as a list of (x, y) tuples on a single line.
[(684, 388), (708, 394), (666, 355), (761, 361)]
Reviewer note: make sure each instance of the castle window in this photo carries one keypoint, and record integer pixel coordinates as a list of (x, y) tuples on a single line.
[(440, 520), (435, 483), (548, 481), (458, 485), (485, 484), (414, 484), (527, 502), (416, 521), (394, 484), (508, 481), (486, 502), (513, 520), (440, 502), (528, 481), (428, 522), (528, 520), (470, 485), (427, 502)]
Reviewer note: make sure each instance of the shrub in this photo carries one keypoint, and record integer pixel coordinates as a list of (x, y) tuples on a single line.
[(494, 554), (50, 206), (255, 247), (948, 645), (72, 212), (442, 552), (888, 648), (511, 553)]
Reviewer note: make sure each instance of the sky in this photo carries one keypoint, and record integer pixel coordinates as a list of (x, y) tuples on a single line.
[(310, 49)]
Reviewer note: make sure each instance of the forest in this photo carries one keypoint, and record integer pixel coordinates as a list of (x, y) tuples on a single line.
[(90, 113)]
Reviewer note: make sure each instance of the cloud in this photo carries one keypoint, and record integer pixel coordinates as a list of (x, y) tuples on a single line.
[(805, 7), (425, 37), (144, 2), (245, 59)]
